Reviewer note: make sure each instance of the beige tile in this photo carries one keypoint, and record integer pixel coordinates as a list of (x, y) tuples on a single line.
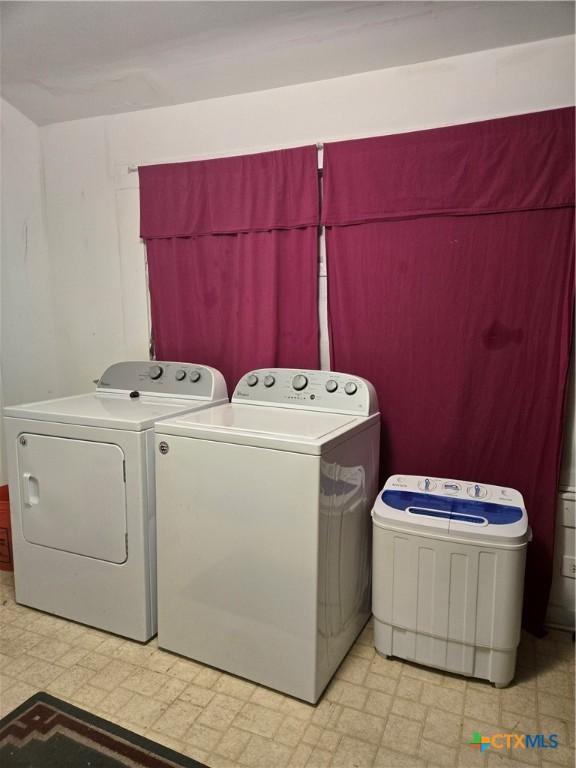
[(112, 675), (401, 734), (220, 712), (72, 657), (300, 756), (144, 681), (234, 686), (326, 714), (385, 667), (378, 703), (360, 725), (469, 757), (184, 670), (87, 696), (40, 673), (160, 661), (14, 667), (207, 677), (319, 758), (519, 700), (233, 743), (363, 651), (442, 728), (15, 695), (218, 761), (259, 720), (93, 660), (16, 646), (110, 645), (353, 670), (201, 755), (410, 709), (381, 683), (291, 731), (348, 694), (518, 723), (484, 705), (196, 695), (387, 758), (113, 702), (329, 740), (556, 706), (133, 653), (409, 688), (298, 708), (352, 752), (172, 688), (68, 682), (264, 753), (312, 734), (437, 754), (442, 698), (269, 699), (49, 650), (176, 719), (202, 737), (563, 728), (167, 741)]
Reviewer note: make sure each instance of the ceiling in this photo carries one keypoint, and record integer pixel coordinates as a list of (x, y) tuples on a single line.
[(69, 60)]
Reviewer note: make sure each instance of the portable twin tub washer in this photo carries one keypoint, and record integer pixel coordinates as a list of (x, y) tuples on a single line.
[(448, 574)]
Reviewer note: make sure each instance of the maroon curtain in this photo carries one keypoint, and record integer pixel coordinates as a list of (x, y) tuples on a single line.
[(232, 260), (451, 287)]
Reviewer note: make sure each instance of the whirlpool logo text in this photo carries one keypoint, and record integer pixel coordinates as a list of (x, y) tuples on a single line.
[(514, 741)]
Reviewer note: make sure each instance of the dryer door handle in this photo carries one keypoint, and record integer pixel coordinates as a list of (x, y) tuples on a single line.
[(31, 489)]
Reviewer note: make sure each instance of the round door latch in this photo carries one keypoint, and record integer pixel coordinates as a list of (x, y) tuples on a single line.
[(23, 441), (163, 448)]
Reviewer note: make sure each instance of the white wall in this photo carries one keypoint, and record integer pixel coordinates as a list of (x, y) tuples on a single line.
[(28, 342)]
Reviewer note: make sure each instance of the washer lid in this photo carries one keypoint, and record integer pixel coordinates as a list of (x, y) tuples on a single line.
[(112, 411), (423, 503), (278, 428)]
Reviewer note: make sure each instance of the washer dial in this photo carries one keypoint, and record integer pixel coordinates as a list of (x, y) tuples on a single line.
[(269, 381), (180, 375), (252, 380), (331, 385), (195, 376), (299, 382), (351, 388), (156, 372)]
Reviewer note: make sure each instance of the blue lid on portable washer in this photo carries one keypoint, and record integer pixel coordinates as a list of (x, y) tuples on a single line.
[(466, 510), (450, 507)]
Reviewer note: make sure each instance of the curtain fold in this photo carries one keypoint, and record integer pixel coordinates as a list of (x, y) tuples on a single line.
[(463, 322), (232, 249)]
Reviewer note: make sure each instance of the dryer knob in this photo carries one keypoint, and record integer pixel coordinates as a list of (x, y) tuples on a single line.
[(269, 381), (252, 380), (195, 376), (331, 385), (180, 375), (351, 388), (156, 371), (299, 382)]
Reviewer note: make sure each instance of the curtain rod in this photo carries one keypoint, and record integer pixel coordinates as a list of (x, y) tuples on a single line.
[(134, 168)]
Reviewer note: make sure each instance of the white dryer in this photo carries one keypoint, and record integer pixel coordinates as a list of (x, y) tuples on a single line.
[(81, 476), (264, 549)]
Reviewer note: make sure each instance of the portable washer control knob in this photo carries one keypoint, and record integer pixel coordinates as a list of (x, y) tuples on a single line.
[(299, 382), (269, 381), (331, 385), (156, 372), (195, 376), (351, 388), (252, 380), (180, 375)]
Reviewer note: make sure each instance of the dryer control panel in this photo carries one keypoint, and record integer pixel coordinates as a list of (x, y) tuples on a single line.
[(155, 377), (307, 389)]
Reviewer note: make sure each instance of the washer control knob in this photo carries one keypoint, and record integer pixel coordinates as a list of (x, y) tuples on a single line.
[(331, 385), (180, 375), (477, 491), (351, 388), (195, 376), (252, 380), (299, 382), (269, 381), (156, 371)]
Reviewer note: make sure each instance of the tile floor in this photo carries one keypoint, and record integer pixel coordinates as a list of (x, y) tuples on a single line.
[(376, 712)]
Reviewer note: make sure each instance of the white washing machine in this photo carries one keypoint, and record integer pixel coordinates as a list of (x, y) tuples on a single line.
[(448, 581), (264, 550), (81, 476)]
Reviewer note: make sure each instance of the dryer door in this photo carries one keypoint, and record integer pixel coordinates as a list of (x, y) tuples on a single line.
[(73, 495)]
